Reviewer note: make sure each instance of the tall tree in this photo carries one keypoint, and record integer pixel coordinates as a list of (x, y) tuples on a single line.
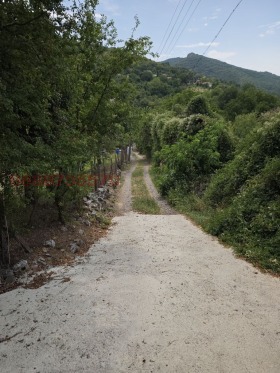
[(58, 90)]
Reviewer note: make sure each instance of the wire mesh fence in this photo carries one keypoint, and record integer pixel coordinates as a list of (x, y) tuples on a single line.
[(109, 170)]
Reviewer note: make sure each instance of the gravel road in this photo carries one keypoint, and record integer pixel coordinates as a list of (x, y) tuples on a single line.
[(156, 295)]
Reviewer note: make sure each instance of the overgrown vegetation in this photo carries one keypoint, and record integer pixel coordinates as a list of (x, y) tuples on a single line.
[(61, 103), (141, 199), (216, 158), (71, 92)]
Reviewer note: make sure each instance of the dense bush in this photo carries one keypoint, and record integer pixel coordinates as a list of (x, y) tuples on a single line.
[(257, 148), (227, 172), (191, 161), (198, 105), (171, 131), (248, 190), (216, 157)]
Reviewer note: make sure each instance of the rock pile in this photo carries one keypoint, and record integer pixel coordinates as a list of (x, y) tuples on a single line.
[(94, 204), (97, 201)]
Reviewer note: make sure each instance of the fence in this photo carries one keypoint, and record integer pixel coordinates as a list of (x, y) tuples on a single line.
[(104, 173)]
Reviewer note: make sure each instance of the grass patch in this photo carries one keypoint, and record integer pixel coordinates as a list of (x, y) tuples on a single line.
[(192, 206), (242, 243), (189, 204), (141, 200), (103, 220), (154, 174), (260, 251)]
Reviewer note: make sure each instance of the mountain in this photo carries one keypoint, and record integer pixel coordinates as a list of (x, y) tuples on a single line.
[(229, 73)]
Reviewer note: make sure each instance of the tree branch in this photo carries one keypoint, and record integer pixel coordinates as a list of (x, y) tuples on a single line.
[(24, 23)]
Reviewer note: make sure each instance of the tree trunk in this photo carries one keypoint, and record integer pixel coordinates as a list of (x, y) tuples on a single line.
[(4, 238), (61, 189)]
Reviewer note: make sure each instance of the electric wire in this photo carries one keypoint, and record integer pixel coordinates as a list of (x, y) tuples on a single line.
[(165, 34), (178, 28), (185, 26), (216, 36), (173, 26)]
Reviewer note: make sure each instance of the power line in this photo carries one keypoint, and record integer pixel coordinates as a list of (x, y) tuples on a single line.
[(173, 26), (169, 24), (186, 24), (178, 28), (216, 36)]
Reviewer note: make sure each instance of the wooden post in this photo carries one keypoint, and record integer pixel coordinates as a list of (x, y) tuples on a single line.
[(99, 176), (111, 169), (104, 171)]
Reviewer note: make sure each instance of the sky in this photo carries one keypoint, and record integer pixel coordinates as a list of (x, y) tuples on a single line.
[(250, 38)]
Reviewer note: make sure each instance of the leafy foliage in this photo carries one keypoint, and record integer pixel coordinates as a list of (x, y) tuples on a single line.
[(258, 147), (189, 162), (233, 101), (216, 158), (197, 105), (155, 81), (248, 189), (61, 101)]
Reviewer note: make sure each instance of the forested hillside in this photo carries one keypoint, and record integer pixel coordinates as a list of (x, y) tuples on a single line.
[(150, 82), (223, 71)]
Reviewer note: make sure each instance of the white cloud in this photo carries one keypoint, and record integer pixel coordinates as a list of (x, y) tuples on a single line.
[(224, 56), (198, 45), (98, 16), (212, 17), (270, 29)]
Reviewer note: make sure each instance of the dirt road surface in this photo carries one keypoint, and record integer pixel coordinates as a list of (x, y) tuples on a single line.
[(155, 295)]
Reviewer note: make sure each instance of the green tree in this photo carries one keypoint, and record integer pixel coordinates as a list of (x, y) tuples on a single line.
[(60, 103), (147, 75), (198, 105)]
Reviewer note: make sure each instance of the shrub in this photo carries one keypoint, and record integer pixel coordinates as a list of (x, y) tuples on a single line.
[(198, 105), (190, 162), (170, 131), (262, 144)]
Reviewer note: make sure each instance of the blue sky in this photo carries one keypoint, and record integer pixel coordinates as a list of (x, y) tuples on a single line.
[(250, 39)]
